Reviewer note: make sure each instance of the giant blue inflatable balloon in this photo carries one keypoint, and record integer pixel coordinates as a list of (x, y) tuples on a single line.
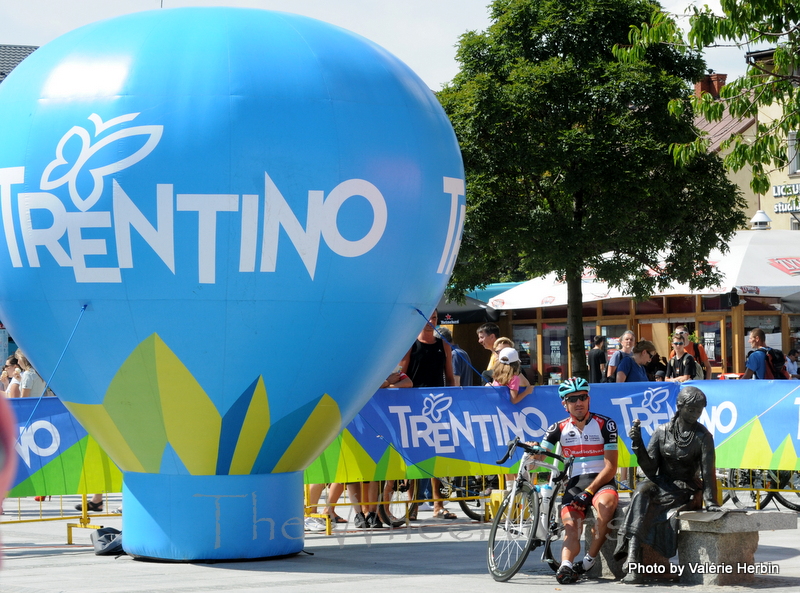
[(250, 206)]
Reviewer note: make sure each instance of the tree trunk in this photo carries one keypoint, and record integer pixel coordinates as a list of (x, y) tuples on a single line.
[(575, 324)]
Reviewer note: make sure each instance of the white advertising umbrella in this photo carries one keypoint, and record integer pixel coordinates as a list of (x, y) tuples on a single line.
[(550, 291), (758, 263)]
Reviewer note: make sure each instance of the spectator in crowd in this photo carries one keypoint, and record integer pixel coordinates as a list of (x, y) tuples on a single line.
[(626, 342), (507, 373), (631, 369), (10, 377), (398, 379), (462, 366), (314, 492), (681, 366), (791, 364), (364, 499), (30, 383), (597, 360), (502, 343), (94, 505), (487, 336), (697, 351), (429, 363), (756, 364), (657, 367)]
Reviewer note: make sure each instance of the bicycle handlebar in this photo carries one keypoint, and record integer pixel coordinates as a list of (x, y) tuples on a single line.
[(533, 450)]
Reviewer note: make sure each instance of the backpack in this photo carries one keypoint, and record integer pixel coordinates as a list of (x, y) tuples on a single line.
[(699, 365), (698, 370), (107, 541), (774, 364)]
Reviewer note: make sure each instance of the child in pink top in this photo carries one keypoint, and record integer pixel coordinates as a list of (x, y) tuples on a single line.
[(506, 372)]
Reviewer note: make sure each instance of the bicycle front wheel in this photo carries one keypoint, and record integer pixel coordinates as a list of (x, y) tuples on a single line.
[(512, 532)]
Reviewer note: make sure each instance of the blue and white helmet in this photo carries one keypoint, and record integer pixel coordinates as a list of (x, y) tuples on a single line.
[(572, 385)]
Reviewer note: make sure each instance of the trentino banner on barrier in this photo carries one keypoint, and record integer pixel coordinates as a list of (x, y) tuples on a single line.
[(418, 433)]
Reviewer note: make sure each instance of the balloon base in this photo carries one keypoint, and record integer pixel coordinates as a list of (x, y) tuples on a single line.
[(180, 518)]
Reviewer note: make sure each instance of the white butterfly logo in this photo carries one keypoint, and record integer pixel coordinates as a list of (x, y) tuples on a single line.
[(88, 150), (653, 398), (434, 405)]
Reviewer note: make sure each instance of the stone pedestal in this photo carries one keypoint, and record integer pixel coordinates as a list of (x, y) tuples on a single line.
[(719, 548)]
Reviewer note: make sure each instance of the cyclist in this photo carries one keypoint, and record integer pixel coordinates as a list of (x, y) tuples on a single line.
[(592, 440)]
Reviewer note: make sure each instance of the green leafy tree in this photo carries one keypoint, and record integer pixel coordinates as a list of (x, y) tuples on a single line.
[(566, 155), (769, 83)]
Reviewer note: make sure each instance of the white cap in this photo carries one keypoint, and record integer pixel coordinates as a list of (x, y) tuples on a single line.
[(508, 355)]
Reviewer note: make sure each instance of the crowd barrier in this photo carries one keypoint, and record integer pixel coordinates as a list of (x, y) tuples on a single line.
[(454, 431)]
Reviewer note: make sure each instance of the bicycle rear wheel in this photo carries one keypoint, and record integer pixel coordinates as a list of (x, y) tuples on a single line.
[(512, 533), (789, 484), (392, 509), (465, 486), (754, 479)]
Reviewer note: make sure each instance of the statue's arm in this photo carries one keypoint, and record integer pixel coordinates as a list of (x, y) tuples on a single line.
[(650, 456)]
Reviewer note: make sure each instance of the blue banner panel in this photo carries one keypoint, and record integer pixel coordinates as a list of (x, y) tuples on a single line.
[(455, 430)]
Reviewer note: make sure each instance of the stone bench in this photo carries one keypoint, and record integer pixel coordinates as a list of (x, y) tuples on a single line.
[(719, 548)]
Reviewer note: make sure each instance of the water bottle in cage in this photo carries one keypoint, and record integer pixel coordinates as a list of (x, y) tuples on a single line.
[(547, 493)]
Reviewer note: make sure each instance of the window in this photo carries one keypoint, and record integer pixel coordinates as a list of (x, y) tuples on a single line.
[(793, 154)]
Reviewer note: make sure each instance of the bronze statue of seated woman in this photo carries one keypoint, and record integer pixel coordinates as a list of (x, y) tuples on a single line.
[(679, 464)]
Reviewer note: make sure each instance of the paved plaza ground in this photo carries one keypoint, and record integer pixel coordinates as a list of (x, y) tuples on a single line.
[(431, 556)]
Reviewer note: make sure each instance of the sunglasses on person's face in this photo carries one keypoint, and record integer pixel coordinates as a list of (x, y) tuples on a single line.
[(573, 399), (677, 343)]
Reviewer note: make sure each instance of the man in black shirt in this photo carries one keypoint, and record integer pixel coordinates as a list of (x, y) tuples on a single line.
[(597, 360), (429, 363)]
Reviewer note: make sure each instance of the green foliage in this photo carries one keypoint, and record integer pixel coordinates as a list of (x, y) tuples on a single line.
[(566, 149), (771, 83)]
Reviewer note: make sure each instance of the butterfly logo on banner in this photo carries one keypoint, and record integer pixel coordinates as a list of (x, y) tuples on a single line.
[(434, 406)]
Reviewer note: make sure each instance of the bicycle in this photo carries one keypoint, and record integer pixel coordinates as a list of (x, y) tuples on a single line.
[(470, 490), (394, 499), (526, 519), (763, 486)]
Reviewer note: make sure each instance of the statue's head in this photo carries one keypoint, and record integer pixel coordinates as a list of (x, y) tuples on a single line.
[(691, 395), (691, 402)]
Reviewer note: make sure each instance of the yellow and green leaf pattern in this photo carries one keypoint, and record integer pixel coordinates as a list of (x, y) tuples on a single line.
[(156, 418)]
